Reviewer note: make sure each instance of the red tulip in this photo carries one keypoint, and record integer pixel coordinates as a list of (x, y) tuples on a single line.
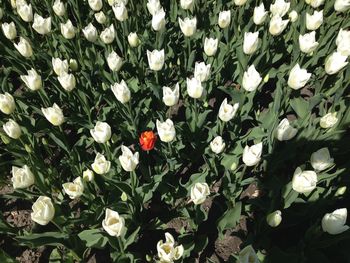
[(147, 140)]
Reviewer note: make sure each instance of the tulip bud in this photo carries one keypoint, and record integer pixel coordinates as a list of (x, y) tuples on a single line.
[(101, 165), (277, 25), (251, 79), (293, 16), (250, 43), (90, 32), (158, 20), (335, 62), (266, 78), (100, 17), (280, 8), (227, 111), (9, 30), (133, 39), (67, 81), (28, 148), (114, 224), (194, 88), (188, 26), (59, 8), (298, 77), (107, 36), (248, 255), (68, 30), (120, 12), (73, 64), (166, 130), (22, 177), (343, 42), (274, 219), (199, 193), (128, 160), (334, 223), (321, 159), (95, 5), (24, 48), (340, 191), (155, 59), (342, 5), (88, 175), (187, 4), (25, 11), (12, 129), (285, 131), (42, 25), (7, 103), (114, 2), (202, 71), (210, 46), (171, 97), (233, 166), (147, 140), (217, 145), (153, 6), (43, 210), (224, 19), (32, 80), (114, 61), (307, 42), (313, 22), (74, 189), (260, 14), (304, 181), (53, 114), (329, 120), (124, 197), (252, 154)]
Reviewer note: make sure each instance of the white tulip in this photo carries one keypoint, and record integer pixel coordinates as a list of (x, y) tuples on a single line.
[(68, 30), (155, 59), (188, 26), (252, 154), (274, 219), (128, 160), (74, 189), (321, 159), (43, 210), (343, 42), (53, 114), (100, 17), (133, 39), (12, 129), (315, 3), (334, 223), (101, 132), (307, 42), (121, 92), (280, 8), (335, 62), (120, 12), (194, 88), (24, 48), (9, 30), (202, 71), (199, 193), (304, 181), (250, 43), (187, 4), (227, 111), (251, 79), (285, 131), (171, 97), (59, 8), (114, 224), (293, 16), (100, 164), (158, 20), (313, 22), (166, 130), (90, 33), (59, 66), (95, 5), (153, 6), (217, 145), (342, 5), (260, 14), (108, 34), (115, 2), (25, 11), (7, 103), (167, 251), (67, 81), (240, 2), (32, 80), (328, 120), (22, 177), (42, 25), (277, 25), (210, 46), (248, 255), (114, 61), (298, 77), (224, 19), (88, 175)]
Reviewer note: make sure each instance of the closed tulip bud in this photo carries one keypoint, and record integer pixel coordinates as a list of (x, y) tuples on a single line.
[(100, 17), (28, 148), (120, 12), (266, 78), (343, 42), (194, 88), (90, 33), (298, 77), (340, 191), (285, 131), (101, 132), (95, 5), (304, 181), (188, 26), (210, 46), (217, 145), (167, 251), (224, 19), (274, 219), (158, 20), (9, 30), (147, 140), (88, 175), (67, 81), (12, 129), (313, 22), (101, 165), (42, 25), (107, 36), (32, 80), (7, 103), (153, 6), (233, 166), (155, 59), (250, 43), (342, 5), (121, 92), (315, 3), (74, 189), (166, 130), (334, 223), (53, 114), (128, 160), (260, 14), (277, 25), (68, 30), (25, 11), (114, 224), (73, 64), (328, 120), (133, 39), (321, 159), (114, 61), (187, 4), (248, 255), (293, 16), (171, 97), (202, 71), (43, 210), (124, 197), (24, 48), (280, 8), (59, 8), (59, 66), (22, 177), (307, 42), (199, 193), (227, 111), (251, 79), (252, 154), (335, 62)]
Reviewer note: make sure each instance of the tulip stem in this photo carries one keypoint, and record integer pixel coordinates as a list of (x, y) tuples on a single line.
[(58, 226), (133, 123), (242, 173), (195, 111)]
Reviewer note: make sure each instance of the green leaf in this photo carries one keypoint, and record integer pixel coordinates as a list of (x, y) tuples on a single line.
[(93, 238), (230, 218)]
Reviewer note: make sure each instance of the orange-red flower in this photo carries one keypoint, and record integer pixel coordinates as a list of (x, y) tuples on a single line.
[(147, 140)]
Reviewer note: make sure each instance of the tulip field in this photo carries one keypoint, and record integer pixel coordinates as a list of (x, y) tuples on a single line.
[(174, 131)]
